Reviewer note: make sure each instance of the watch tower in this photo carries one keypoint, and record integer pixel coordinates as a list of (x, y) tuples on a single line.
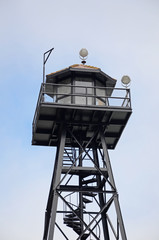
[(81, 113)]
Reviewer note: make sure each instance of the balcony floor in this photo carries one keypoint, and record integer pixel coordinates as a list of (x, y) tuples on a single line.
[(80, 119)]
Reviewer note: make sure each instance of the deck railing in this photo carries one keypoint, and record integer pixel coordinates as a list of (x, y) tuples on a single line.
[(96, 96)]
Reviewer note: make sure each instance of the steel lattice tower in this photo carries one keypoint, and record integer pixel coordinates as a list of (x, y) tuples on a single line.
[(81, 113)]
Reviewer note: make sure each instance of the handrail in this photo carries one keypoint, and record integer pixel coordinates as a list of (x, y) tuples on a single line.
[(112, 97), (70, 85), (75, 87), (84, 95)]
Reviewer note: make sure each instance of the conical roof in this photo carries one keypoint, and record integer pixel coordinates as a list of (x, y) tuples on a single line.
[(82, 71)]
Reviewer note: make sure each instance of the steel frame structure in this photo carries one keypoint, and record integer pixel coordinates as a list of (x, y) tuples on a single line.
[(82, 121), (100, 175)]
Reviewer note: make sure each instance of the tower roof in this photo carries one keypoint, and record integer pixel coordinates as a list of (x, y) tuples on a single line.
[(80, 70)]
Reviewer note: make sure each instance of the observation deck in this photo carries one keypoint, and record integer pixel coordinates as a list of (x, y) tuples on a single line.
[(83, 99)]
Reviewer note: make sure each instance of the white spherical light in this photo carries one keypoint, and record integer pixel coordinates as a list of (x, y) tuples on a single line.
[(83, 53), (125, 80)]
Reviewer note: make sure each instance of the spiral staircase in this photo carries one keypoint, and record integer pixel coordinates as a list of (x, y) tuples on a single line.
[(73, 219)]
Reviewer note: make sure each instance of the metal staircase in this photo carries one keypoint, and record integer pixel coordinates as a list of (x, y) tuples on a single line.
[(69, 156), (72, 220)]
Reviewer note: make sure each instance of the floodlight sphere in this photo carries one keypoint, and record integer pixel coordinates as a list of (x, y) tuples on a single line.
[(83, 53), (125, 80)]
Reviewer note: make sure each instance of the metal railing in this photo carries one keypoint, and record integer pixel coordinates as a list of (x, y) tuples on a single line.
[(68, 94)]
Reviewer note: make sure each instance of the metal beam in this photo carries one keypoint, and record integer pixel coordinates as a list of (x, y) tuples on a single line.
[(55, 183), (84, 189), (101, 199), (111, 178), (49, 203)]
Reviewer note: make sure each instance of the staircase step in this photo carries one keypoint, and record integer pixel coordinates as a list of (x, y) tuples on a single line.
[(67, 164), (86, 200), (85, 236), (74, 225), (67, 160), (90, 194), (68, 225), (71, 219), (78, 231), (89, 181), (71, 215)]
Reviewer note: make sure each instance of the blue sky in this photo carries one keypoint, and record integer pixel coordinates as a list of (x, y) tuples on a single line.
[(122, 37)]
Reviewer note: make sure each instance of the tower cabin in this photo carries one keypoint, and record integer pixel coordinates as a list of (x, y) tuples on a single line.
[(84, 98)]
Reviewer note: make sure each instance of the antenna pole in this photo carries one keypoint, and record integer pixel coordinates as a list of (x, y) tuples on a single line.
[(45, 60)]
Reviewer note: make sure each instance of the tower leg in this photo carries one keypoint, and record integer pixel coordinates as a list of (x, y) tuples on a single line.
[(101, 199), (55, 182), (111, 178)]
